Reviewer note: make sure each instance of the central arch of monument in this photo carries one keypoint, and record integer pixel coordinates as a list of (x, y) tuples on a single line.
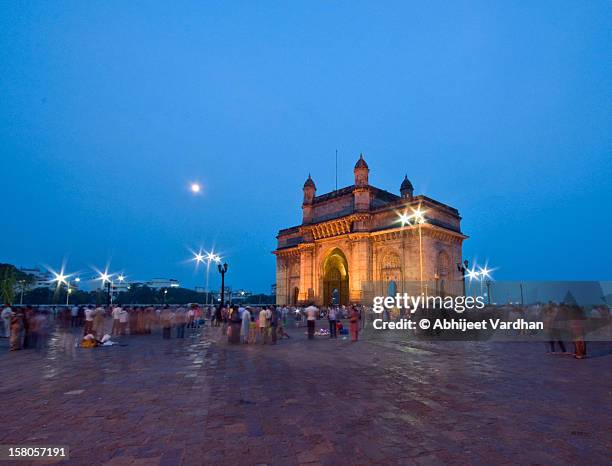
[(335, 276)]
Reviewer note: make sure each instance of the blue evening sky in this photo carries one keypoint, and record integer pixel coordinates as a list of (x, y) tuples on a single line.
[(108, 110)]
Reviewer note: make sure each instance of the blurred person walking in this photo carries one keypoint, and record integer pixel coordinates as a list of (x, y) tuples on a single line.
[(273, 323), (165, 319), (116, 320), (98, 323), (354, 323), (17, 319), (244, 329), (74, 316), (180, 318), (123, 321), (6, 315)]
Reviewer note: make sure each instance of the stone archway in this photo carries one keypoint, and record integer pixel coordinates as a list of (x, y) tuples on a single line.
[(335, 278)]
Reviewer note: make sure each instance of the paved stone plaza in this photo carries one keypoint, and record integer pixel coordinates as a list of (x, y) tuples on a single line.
[(201, 401)]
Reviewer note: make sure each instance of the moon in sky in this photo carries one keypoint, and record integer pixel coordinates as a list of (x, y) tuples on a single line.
[(195, 188)]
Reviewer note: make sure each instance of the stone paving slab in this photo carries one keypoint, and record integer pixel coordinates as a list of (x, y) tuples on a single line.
[(201, 401)]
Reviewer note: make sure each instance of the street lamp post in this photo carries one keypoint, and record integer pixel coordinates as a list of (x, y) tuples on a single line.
[(222, 271), (463, 268), (165, 293), (488, 283), (68, 292), (108, 293), (22, 284), (210, 257)]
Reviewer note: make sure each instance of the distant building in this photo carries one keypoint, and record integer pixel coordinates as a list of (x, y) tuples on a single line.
[(160, 283), (42, 278)]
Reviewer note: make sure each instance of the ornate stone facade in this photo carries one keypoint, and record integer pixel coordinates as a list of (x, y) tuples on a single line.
[(353, 238)]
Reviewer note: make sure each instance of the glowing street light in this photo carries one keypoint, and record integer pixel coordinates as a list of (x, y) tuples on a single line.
[(195, 188), (121, 278), (485, 272), (106, 278), (485, 275), (472, 274), (60, 278)]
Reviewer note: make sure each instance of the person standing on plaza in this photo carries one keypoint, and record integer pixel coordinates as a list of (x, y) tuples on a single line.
[(133, 318), (198, 316), (165, 320), (311, 319), (253, 329), (116, 319), (224, 320), (39, 330), (123, 321), (181, 322), (244, 329), (28, 316), (17, 319), (273, 323), (235, 323), (98, 322), (577, 331), (7, 313), (331, 316), (88, 321), (551, 326), (354, 318), (74, 316), (190, 317), (263, 325)]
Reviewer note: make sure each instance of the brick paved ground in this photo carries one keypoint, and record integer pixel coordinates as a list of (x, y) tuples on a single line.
[(201, 401)]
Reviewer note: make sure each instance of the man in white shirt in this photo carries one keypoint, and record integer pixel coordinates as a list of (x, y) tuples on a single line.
[(89, 315), (123, 321), (7, 313), (311, 318), (116, 314)]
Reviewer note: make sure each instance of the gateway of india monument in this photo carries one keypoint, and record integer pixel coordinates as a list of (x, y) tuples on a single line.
[(361, 240)]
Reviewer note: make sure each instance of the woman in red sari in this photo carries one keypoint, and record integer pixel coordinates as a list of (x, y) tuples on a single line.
[(354, 327)]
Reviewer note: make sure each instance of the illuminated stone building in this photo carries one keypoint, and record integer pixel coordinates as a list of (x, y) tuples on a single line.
[(362, 237)]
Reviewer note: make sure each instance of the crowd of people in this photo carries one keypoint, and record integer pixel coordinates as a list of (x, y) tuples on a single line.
[(29, 327), (251, 325)]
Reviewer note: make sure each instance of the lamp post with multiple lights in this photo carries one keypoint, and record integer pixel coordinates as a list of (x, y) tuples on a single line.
[(208, 258), (62, 279), (222, 270), (416, 218), (483, 275), (22, 284), (106, 279)]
